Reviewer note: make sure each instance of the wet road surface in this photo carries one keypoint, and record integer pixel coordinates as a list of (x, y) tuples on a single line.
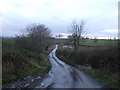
[(63, 75)]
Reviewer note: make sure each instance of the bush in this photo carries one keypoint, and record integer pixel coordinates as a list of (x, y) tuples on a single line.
[(37, 38)]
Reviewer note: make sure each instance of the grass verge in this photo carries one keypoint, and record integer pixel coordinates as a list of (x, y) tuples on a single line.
[(18, 62), (110, 80)]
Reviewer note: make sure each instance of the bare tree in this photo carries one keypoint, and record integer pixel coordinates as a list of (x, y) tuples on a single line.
[(60, 35), (95, 39), (37, 38), (77, 30), (69, 36)]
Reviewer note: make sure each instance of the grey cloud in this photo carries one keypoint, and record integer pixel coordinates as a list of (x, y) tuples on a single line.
[(98, 15)]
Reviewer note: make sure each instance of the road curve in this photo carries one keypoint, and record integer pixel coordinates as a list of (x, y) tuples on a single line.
[(63, 75)]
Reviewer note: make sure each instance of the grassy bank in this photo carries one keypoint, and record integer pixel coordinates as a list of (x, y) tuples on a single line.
[(18, 62), (99, 62)]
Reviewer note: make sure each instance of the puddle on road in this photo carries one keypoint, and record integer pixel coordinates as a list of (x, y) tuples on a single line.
[(24, 82)]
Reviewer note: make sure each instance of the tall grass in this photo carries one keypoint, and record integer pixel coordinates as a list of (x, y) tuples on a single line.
[(105, 59), (102, 64)]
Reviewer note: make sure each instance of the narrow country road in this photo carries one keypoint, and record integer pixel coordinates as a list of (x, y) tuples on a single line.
[(63, 75)]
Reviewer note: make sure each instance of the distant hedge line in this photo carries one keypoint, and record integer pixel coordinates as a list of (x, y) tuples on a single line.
[(104, 59)]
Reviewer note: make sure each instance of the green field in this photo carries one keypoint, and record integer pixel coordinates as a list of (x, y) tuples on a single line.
[(8, 40), (99, 42), (61, 41), (89, 42)]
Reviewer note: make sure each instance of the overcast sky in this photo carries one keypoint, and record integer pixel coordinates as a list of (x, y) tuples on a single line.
[(101, 16)]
